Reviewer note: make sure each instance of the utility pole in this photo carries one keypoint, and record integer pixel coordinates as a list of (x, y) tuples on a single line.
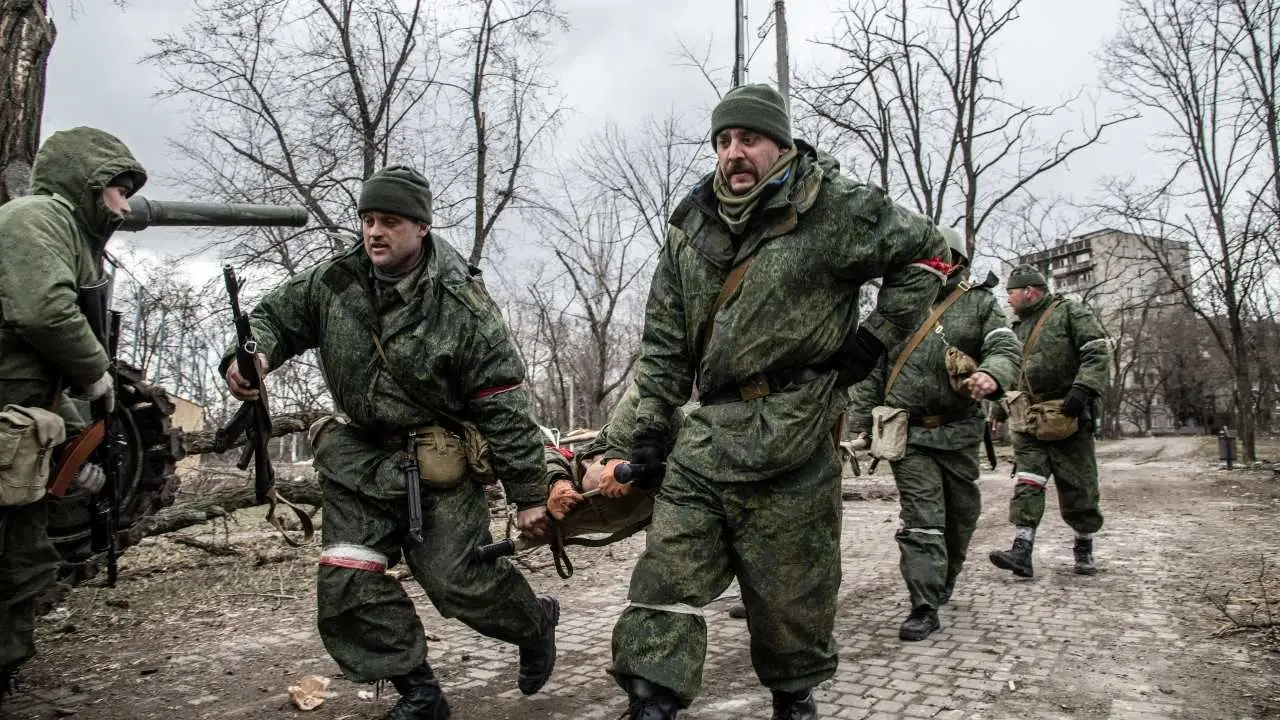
[(739, 42), (784, 60)]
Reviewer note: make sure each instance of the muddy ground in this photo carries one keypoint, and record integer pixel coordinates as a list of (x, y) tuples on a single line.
[(1189, 556)]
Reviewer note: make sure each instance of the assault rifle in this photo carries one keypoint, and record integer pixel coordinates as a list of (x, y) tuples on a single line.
[(253, 419)]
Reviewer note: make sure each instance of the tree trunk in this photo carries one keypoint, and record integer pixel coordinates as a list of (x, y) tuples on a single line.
[(202, 441), (301, 490), (26, 37)]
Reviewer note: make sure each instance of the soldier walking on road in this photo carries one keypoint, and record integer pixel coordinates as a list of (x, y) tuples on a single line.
[(1064, 371), (964, 353), (52, 245), (755, 301), (411, 344)]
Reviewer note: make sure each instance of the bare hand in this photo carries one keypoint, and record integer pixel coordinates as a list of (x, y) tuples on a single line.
[(862, 442), (609, 485), (562, 498), (534, 522), (239, 387), (981, 385)]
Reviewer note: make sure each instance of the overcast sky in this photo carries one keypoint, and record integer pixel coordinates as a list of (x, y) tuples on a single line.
[(619, 60)]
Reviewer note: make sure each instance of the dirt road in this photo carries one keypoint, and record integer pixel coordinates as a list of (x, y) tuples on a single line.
[(189, 635)]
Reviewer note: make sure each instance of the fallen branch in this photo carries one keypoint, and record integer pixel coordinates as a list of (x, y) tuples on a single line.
[(202, 441), (303, 490), (212, 549), (265, 596)]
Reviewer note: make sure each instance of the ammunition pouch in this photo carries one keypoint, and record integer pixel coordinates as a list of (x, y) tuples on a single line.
[(27, 438), (890, 427), (960, 365), (95, 301), (1042, 420), (446, 458)]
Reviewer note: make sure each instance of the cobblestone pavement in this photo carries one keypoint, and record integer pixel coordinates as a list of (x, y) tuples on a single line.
[(1132, 643)]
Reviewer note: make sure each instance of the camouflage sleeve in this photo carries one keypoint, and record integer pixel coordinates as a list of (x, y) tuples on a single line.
[(866, 395), (912, 266), (492, 381), (559, 468), (664, 372), (1092, 349), (283, 323), (615, 438), (39, 296), (1001, 351)]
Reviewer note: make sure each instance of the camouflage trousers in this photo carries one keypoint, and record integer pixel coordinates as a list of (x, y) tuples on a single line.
[(28, 564), (779, 537), (28, 559), (1074, 468), (940, 504), (366, 621)]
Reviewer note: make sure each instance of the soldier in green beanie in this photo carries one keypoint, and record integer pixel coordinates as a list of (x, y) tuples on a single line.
[(410, 343), (755, 304), (1065, 366)]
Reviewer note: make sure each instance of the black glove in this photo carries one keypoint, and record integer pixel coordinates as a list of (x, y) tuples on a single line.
[(648, 458), (1076, 403), (857, 357)]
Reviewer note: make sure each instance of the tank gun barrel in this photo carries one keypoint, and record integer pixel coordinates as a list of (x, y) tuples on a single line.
[(145, 213)]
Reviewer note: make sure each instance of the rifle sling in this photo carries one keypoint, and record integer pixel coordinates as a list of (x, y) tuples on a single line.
[(731, 283), (1032, 339), (922, 331)]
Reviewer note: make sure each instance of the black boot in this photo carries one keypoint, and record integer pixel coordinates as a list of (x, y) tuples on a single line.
[(738, 611), (420, 696), (794, 705), (537, 662), (1084, 557), (649, 701), (920, 624), (1017, 559)]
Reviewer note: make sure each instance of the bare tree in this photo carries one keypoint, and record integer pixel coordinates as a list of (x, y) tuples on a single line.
[(26, 37), (1171, 60), (921, 101), (300, 100)]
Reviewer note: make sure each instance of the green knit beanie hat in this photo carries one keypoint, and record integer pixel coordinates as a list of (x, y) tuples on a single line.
[(399, 190), (1025, 276), (753, 107)]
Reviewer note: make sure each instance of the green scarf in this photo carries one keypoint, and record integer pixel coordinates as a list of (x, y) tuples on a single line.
[(736, 210)]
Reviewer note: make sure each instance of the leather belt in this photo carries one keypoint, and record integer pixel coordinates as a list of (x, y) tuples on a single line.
[(761, 385), (933, 422)]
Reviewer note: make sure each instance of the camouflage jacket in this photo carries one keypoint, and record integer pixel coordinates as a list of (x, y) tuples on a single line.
[(974, 324), (1072, 350), (52, 244), (814, 243), (445, 341)]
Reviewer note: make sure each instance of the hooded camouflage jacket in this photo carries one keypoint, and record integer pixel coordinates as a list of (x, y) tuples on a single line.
[(974, 324), (1071, 350), (51, 245), (445, 341), (815, 241)]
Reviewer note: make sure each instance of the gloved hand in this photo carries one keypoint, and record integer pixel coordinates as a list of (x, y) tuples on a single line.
[(90, 478), (1076, 403), (649, 450), (857, 357), (104, 388), (562, 498)]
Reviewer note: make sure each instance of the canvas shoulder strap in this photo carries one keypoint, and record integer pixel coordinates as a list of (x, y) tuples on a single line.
[(922, 331), (731, 284), (1032, 339)]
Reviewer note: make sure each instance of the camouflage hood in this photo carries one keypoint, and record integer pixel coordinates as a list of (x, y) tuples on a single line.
[(76, 165)]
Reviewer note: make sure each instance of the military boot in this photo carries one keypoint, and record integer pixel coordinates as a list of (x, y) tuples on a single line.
[(537, 662), (1084, 557), (649, 701), (794, 705), (420, 696), (920, 624), (1017, 559)]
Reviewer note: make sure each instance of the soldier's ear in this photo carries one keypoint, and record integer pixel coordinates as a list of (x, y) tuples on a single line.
[(423, 230)]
